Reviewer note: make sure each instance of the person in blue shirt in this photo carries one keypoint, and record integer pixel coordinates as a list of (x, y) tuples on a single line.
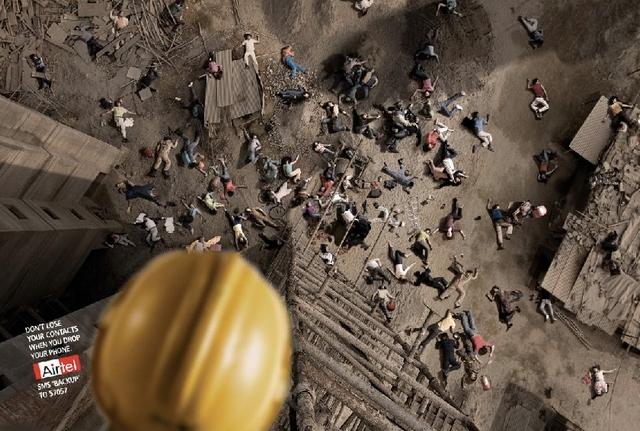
[(478, 126), (499, 221)]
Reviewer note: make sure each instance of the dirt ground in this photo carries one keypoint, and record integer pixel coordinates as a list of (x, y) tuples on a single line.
[(590, 48)]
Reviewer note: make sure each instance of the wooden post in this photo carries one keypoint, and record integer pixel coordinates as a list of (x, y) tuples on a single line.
[(302, 395), (399, 415), (326, 211), (373, 246)]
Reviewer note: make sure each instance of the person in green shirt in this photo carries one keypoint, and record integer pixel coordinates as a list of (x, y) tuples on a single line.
[(289, 172)]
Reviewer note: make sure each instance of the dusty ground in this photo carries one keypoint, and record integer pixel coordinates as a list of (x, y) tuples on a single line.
[(590, 48)]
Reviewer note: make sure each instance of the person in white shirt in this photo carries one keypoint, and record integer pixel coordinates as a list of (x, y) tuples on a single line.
[(383, 299), (250, 50), (600, 385), (327, 257), (375, 271), (397, 257), (362, 6)]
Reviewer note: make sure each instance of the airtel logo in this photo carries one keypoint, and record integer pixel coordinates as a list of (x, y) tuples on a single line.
[(56, 367)]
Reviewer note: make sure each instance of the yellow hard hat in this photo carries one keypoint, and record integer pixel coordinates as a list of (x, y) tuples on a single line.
[(194, 342)]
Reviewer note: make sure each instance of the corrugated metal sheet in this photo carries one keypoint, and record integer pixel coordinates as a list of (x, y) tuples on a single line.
[(240, 94), (226, 91), (595, 134), (247, 87), (564, 269), (631, 331), (211, 109)]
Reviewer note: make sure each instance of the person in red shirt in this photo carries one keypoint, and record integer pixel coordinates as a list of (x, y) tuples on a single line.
[(478, 343), (540, 103)]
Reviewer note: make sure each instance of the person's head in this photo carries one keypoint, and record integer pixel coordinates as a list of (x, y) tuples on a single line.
[(236, 211), (254, 136), (474, 114), (468, 273), (201, 239), (443, 336), (410, 184), (595, 368), (495, 207), (316, 145), (118, 102), (376, 205), (324, 248), (542, 178), (483, 350), (247, 36), (613, 99), (121, 187), (535, 81), (286, 160), (33, 57)]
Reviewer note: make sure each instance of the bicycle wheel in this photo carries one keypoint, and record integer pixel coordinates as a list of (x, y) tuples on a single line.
[(277, 211)]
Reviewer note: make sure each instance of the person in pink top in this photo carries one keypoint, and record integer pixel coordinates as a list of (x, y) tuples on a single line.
[(288, 59), (540, 103)]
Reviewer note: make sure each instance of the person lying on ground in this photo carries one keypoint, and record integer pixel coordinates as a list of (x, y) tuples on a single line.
[(361, 81), (403, 124), (445, 107), (38, 64), (446, 324), (118, 239), (361, 124), (545, 306), (478, 344), (619, 113), (425, 277), (479, 123), (450, 226), (327, 257), (312, 211), (332, 123), (458, 284), (599, 385), (270, 170), (448, 347), (120, 121), (300, 192), (132, 191), (253, 147), (324, 150), (375, 272), (149, 77), (397, 257), (402, 176), (93, 45), (208, 199), (195, 107), (522, 211), (287, 55), (153, 236), (334, 199), (422, 244), (499, 221), (186, 219), (536, 35), (260, 219), (450, 6), (239, 238), (383, 300), (362, 6), (280, 193), (382, 213), (163, 155), (213, 68), (540, 103), (293, 95), (546, 164), (505, 300), (173, 15), (190, 157), (223, 176), (249, 44), (201, 245), (427, 87), (288, 171)]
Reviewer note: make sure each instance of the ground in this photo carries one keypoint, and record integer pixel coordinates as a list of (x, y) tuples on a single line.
[(590, 49)]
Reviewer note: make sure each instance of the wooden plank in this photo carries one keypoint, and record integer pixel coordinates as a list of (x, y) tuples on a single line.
[(60, 45), (86, 9), (81, 49), (127, 46), (57, 33), (211, 110), (110, 48), (224, 86)]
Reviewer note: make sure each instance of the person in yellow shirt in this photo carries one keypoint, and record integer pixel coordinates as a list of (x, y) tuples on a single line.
[(118, 112), (447, 323)]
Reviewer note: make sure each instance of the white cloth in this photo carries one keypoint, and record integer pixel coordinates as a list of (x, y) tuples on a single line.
[(383, 295), (328, 258), (348, 216), (449, 167), (140, 218), (168, 225)]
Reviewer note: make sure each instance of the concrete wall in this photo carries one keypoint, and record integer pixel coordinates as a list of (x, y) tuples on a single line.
[(45, 233)]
